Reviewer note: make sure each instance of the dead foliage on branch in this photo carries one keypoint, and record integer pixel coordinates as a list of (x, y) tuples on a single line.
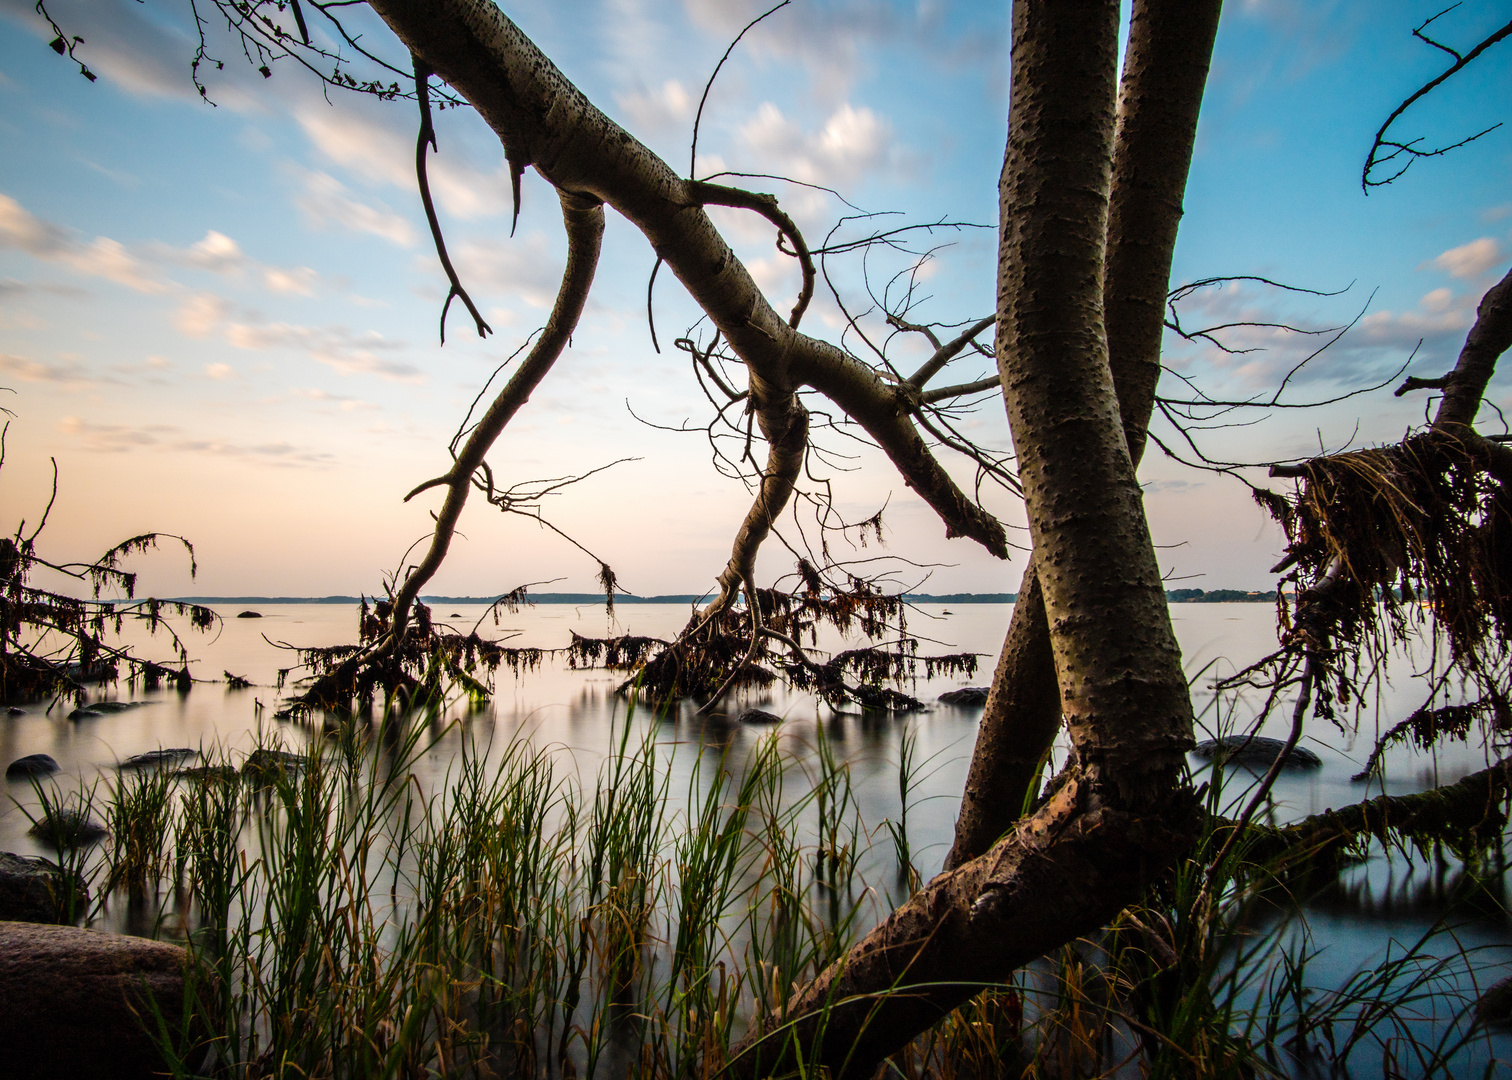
[(55, 644), (414, 668), (1379, 539), (725, 648)]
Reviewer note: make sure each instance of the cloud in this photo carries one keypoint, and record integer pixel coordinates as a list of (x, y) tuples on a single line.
[(102, 257), (200, 315), (217, 253), (524, 267), (219, 371), (669, 107), (352, 352), (383, 152), (68, 376), (336, 346), (326, 202), (851, 143), (122, 438), (1469, 260)]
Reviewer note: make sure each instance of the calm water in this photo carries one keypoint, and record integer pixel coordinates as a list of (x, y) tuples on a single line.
[(576, 712)]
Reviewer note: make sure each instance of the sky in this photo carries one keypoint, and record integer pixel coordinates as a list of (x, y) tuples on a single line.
[(219, 316)]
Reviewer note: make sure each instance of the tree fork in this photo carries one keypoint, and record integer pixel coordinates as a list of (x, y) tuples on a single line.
[(1123, 811), (545, 121), (1165, 70)]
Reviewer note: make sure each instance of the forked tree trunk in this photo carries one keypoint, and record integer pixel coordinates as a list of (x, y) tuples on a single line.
[(1121, 811), (1165, 70)]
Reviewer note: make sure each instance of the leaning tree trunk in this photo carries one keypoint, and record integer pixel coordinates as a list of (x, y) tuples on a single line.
[(1165, 70), (1122, 810)]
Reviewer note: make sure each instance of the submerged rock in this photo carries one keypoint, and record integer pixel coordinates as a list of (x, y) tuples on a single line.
[(84, 714), (31, 765), (170, 756), (265, 763), (81, 1003), (249, 615), (113, 706), (15, 711), (67, 827), (968, 695), (37, 891), (1257, 750), (758, 716)]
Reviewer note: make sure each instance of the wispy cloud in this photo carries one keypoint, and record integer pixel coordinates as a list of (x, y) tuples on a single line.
[(326, 201), (101, 257), (1469, 260), (125, 438)]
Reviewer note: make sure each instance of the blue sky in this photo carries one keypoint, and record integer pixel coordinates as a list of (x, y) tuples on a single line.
[(221, 321)]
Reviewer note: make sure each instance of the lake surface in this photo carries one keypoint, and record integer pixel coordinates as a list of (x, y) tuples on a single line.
[(578, 712)]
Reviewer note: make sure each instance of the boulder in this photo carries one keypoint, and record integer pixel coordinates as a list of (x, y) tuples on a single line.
[(264, 763), (15, 710), (113, 706), (84, 714), (758, 716), (67, 827), (78, 1003), (170, 756), (1257, 750), (37, 891), (249, 615), (31, 765), (1494, 1006), (968, 695)]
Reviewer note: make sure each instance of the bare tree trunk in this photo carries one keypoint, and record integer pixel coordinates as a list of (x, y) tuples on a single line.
[(1488, 339), (1165, 70), (1121, 811)]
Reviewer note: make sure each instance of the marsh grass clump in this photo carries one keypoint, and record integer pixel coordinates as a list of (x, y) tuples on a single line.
[(352, 913)]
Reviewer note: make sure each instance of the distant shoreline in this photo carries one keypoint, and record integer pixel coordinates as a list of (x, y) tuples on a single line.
[(1175, 596)]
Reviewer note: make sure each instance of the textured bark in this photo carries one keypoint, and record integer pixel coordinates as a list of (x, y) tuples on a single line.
[(546, 122), (1121, 811), (1164, 73)]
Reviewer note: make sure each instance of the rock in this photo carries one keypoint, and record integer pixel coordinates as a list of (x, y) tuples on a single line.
[(84, 714), (1257, 750), (67, 827), (249, 615), (113, 706), (264, 763), (31, 765), (1495, 1005), (969, 695), (34, 890), (211, 773), (758, 716), (14, 711), (79, 1003), (158, 757)]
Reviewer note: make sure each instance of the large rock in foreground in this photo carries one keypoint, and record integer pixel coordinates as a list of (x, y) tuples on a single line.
[(36, 891), (77, 1003)]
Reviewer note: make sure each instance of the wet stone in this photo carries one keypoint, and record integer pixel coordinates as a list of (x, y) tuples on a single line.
[(36, 891), (969, 695), (249, 615), (758, 716), (170, 756), (1257, 750), (31, 765), (67, 828)]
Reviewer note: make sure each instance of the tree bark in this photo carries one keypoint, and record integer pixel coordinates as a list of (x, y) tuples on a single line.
[(1488, 339), (1165, 70), (1122, 810), (544, 121)]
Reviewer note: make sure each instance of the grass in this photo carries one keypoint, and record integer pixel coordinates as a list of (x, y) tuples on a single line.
[(351, 918)]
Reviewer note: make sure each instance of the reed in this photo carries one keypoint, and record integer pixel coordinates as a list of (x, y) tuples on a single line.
[(354, 914)]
